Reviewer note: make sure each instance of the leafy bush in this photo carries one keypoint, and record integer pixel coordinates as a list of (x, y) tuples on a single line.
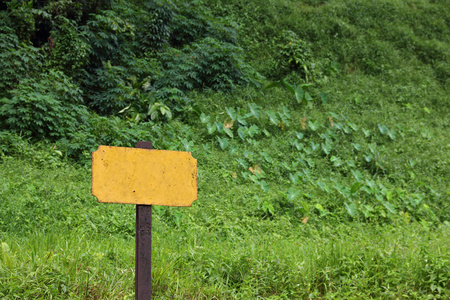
[(194, 21), (154, 32), (110, 88), (69, 49), (294, 55), (110, 37), (18, 61), (208, 63), (98, 130), (11, 143), (104, 88), (22, 16), (45, 108)]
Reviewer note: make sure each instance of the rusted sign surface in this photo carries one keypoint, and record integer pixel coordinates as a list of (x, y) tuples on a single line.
[(143, 176)]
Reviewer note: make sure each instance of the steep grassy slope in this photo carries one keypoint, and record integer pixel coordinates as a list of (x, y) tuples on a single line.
[(332, 183)]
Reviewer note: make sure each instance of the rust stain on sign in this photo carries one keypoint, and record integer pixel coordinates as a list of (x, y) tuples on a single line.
[(143, 176)]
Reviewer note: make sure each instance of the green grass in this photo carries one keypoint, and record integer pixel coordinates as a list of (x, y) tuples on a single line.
[(347, 199), (218, 249)]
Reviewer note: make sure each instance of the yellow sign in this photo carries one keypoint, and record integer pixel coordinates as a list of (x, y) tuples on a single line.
[(144, 176)]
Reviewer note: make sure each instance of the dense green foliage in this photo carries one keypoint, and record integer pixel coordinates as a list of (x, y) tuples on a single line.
[(320, 129)]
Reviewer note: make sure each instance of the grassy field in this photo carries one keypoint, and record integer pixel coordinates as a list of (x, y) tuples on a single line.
[(58, 242), (324, 176)]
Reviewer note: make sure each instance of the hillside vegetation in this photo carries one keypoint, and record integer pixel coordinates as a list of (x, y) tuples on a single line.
[(320, 129)]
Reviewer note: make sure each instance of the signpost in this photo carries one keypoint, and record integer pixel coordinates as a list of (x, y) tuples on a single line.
[(144, 177)]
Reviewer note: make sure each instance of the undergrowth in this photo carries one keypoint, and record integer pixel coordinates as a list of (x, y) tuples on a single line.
[(320, 129)]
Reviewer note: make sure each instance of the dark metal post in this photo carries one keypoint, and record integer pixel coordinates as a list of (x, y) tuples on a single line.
[(143, 276)]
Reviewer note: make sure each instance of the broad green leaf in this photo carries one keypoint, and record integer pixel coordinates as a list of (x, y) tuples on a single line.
[(254, 110), (284, 119), (313, 125), (8, 262), (327, 147), (306, 85), (292, 194), (231, 112), (366, 132), (273, 117), (299, 135), (166, 112), (223, 142), (334, 158), (392, 134), (268, 207), (356, 146), (228, 132), (293, 177), (233, 149), (314, 146), (338, 125), (211, 128), (219, 127), (389, 195), (383, 129), (310, 162), (351, 209), (358, 176), (286, 112), (350, 163), (188, 145), (324, 187), (267, 157), (242, 162), (368, 157), (242, 133), (305, 207), (299, 93), (308, 96), (288, 86), (389, 207), (346, 129), (264, 185), (204, 118), (253, 130), (241, 120), (353, 126), (355, 187), (299, 146)]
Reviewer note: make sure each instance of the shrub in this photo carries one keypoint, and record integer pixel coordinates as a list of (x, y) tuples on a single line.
[(208, 63), (194, 21), (294, 54), (45, 108), (155, 31), (110, 37), (108, 88), (17, 61), (70, 51), (104, 88), (22, 16), (11, 143), (98, 130)]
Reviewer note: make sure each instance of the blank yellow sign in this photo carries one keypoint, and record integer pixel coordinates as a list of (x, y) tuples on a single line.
[(144, 176)]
